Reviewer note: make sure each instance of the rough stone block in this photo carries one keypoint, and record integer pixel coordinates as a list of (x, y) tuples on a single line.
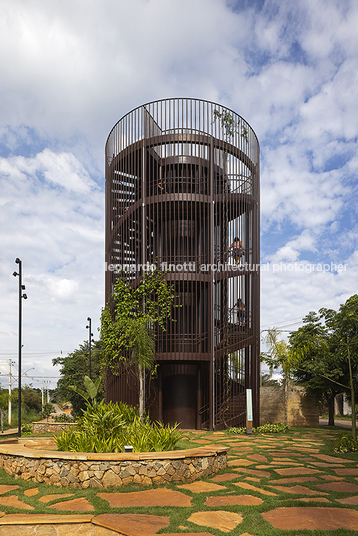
[(111, 479)]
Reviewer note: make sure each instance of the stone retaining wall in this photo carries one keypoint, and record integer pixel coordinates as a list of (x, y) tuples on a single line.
[(84, 470), (50, 427)]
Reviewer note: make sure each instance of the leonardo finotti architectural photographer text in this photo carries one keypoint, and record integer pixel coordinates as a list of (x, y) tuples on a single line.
[(228, 267)]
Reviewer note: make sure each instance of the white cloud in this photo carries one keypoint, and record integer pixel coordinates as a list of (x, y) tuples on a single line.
[(289, 68)]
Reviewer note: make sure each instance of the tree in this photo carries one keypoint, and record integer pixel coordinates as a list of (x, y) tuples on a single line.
[(326, 349), (31, 398), (279, 356), (318, 367), (74, 367), (47, 409), (343, 326), (127, 324)]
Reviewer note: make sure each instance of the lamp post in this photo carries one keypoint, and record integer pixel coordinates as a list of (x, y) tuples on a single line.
[(90, 335), (21, 295)]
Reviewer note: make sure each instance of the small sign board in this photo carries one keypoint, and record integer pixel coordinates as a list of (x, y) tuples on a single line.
[(249, 417)]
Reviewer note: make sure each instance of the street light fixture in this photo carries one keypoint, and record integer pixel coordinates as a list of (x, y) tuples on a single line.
[(24, 296), (90, 335)]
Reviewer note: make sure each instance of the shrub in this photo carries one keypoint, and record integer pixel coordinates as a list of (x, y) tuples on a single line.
[(268, 428), (272, 428), (64, 417), (346, 443), (26, 429), (235, 430)]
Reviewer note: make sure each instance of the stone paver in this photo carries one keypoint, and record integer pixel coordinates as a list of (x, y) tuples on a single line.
[(325, 464), (265, 466), (253, 472), (343, 487), (225, 477), (44, 519), (48, 498), (31, 492), (297, 490), (333, 459), (293, 480), (353, 471), (151, 497), (202, 487), (5, 489), (291, 471), (349, 500), (240, 462), (80, 505), (313, 499), (330, 477), (132, 524), (282, 459), (313, 518), (14, 501), (245, 485), (258, 458), (313, 451), (229, 500), (222, 520)]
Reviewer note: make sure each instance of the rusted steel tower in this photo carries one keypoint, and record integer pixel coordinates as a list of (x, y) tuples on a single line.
[(182, 192)]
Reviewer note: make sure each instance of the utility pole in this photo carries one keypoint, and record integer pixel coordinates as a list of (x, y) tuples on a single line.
[(24, 296), (42, 394), (9, 408), (90, 335)]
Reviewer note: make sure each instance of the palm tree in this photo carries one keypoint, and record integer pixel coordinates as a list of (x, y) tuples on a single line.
[(278, 356)]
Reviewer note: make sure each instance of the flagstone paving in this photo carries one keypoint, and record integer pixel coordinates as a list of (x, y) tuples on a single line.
[(219, 519), (265, 477), (132, 524), (230, 500), (54, 497), (224, 477), (202, 487), (298, 490), (342, 487), (320, 518), (244, 485), (347, 471), (79, 505), (151, 497), (5, 489), (31, 492), (14, 502)]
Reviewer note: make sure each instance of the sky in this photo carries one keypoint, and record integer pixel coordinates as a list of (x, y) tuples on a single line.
[(70, 69)]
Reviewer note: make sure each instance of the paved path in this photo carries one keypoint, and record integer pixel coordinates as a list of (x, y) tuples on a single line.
[(9, 432), (291, 481), (342, 423)]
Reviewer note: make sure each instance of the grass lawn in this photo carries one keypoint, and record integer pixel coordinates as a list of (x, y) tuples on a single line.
[(294, 469)]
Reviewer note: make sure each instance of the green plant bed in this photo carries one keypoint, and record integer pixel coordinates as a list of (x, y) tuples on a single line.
[(346, 443), (268, 428), (109, 427)]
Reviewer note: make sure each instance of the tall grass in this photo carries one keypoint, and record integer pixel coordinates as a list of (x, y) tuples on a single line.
[(27, 417)]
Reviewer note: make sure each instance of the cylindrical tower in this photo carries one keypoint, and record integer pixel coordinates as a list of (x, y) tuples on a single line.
[(182, 192)]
